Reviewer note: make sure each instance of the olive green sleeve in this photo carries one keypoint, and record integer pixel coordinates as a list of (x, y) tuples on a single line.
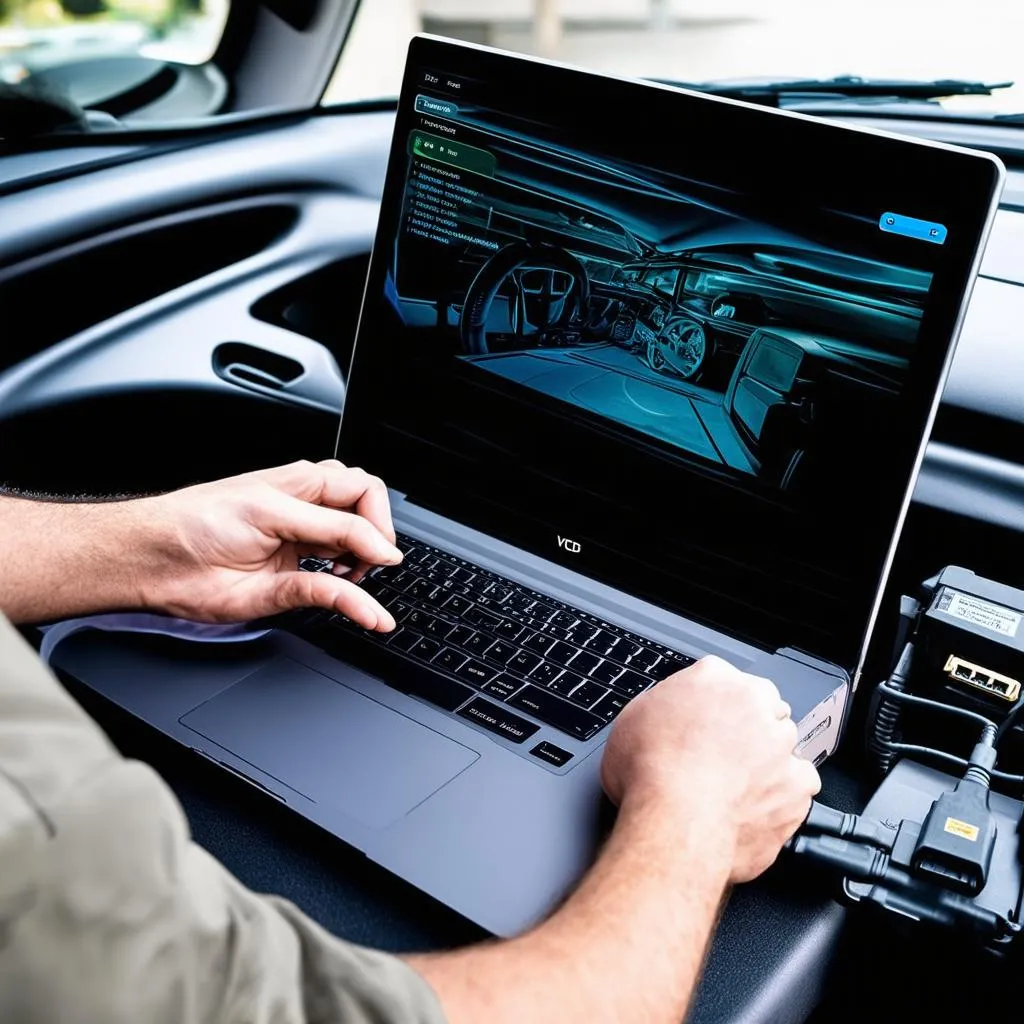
[(110, 913)]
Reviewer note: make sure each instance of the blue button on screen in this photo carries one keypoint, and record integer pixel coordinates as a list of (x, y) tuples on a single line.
[(911, 227)]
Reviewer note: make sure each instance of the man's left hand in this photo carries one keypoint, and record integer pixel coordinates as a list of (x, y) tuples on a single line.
[(229, 551)]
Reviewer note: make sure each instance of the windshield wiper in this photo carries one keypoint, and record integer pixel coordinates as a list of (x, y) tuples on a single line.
[(776, 92)]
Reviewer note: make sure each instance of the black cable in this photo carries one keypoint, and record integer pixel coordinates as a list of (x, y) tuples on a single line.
[(1009, 721), (935, 705), (887, 712), (940, 755)]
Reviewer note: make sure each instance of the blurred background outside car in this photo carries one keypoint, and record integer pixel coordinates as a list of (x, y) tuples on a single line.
[(701, 40)]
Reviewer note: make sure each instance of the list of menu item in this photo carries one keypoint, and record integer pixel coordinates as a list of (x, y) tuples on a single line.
[(440, 196)]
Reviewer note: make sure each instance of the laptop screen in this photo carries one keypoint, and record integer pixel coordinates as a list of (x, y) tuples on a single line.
[(683, 345)]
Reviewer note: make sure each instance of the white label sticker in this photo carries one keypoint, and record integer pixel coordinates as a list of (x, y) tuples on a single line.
[(980, 613)]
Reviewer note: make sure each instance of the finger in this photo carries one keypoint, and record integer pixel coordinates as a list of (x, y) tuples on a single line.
[(783, 711), (329, 529), (333, 484), (766, 691), (374, 503), (322, 590), (807, 776)]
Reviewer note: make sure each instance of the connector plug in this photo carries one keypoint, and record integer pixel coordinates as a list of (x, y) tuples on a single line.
[(954, 848)]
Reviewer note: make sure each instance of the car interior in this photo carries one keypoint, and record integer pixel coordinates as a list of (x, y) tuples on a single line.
[(182, 264)]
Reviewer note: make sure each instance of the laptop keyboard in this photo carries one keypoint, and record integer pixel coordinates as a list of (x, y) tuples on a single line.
[(492, 651)]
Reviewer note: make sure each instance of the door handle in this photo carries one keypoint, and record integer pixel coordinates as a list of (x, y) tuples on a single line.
[(249, 366)]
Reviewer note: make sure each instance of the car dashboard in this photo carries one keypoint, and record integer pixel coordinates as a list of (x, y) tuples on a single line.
[(205, 291)]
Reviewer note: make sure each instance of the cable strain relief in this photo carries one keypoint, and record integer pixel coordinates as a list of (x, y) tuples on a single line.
[(975, 773)]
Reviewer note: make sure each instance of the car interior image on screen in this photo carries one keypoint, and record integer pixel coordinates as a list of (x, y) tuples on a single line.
[(645, 300)]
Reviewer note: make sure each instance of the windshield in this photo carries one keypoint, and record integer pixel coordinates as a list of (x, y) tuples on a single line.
[(712, 40), (37, 36)]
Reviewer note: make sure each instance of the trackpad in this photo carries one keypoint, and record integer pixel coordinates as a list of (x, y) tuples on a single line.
[(330, 743)]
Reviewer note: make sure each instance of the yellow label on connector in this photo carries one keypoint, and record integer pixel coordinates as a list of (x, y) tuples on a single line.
[(960, 828)]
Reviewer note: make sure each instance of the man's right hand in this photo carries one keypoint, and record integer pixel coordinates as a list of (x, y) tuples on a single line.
[(714, 744)]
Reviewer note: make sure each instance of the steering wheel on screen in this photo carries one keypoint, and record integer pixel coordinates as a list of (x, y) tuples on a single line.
[(534, 270)]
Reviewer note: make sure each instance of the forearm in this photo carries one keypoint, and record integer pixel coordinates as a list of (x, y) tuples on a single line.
[(60, 559), (628, 945)]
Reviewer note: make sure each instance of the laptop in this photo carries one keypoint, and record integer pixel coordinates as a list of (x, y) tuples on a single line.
[(649, 375)]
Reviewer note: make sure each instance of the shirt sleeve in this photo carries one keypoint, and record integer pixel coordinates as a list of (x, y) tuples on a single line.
[(110, 913)]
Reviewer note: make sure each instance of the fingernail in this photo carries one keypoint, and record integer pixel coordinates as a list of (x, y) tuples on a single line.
[(387, 553), (386, 622)]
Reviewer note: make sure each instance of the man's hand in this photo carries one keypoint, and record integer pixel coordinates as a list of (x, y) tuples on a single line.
[(712, 738), (218, 552), (708, 787), (232, 547)]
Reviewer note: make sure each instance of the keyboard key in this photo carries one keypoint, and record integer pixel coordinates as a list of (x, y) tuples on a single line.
[(422, 590), (565, 683), (539, 642), (644, 659), (603, 644), (374, 587), (587, 694), (478, 617), (403, 639), (438, 628), (556, 712), (500, 652), (562, 653), (524, 662), (436, 597), (476, 672), (623, 650), (545, 672), (457, 604), (459, 635), (558, 632), (401, 580), (463, 576), (585, 662), (609, 706), (606, 672), (564, 620), (449, 659), (498, 591), (553, 755), (581, 633), (477, 643), (503, 686), (498, 719), (520, 601), (424, 648), (419, 620), (509, 630), (631, 683)]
